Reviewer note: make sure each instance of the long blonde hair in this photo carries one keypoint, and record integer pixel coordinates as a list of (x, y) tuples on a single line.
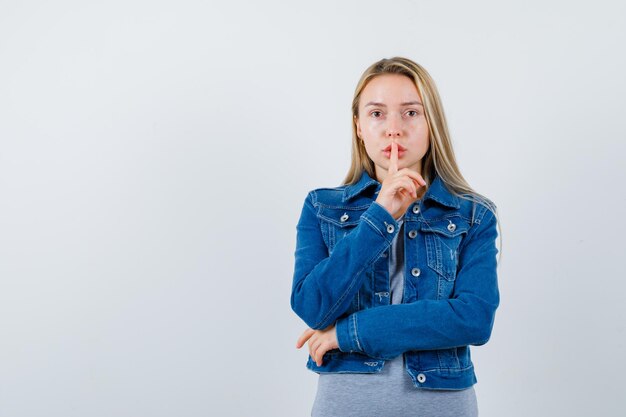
[(439, 160)]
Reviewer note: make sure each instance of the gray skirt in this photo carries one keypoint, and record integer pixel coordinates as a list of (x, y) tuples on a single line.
[(390, 393)]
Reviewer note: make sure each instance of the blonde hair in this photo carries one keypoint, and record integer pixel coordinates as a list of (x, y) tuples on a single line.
[(439, 160)]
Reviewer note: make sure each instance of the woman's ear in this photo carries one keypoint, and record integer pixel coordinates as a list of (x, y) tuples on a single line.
[(358, 127)]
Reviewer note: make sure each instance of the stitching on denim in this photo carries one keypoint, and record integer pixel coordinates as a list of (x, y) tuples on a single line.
[(474, 204), (454, 203), (417, 217), (314, 197), (380, 232), (435, 233), (429, 222), (356, 333), (338, 223), (351, 191), (480, 216), (334, 207), (337, 188), (356, 210), (331, 237), (473, 230), (325, 235), (468, 238), (454, 355), (446, 369)]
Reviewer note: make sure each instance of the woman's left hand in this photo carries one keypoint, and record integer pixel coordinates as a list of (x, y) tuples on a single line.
[(320, 342)]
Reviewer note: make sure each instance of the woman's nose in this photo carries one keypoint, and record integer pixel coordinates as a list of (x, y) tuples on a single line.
[(393, 128), (393, 133)]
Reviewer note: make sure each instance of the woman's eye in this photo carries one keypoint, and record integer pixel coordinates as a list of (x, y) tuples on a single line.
[(412, 113), (376, 113)]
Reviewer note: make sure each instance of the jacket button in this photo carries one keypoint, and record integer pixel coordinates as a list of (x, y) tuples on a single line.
[(390, 228), (415, 272), (421, 378), (416, 209), (344, 218), (452, 227), (412, 233)]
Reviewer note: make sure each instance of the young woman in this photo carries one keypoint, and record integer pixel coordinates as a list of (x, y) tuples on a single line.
[(395, 270)]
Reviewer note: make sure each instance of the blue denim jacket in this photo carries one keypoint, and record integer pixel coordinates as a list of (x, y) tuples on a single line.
[(341, 277)]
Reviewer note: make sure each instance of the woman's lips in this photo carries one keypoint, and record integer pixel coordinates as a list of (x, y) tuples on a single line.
[(388, 153), (400, 148), (401, 151)]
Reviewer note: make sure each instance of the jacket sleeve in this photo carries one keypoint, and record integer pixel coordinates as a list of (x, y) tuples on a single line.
[(323, 285), (464, 319)]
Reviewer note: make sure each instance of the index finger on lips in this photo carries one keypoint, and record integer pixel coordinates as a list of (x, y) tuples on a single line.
[(393, 158)]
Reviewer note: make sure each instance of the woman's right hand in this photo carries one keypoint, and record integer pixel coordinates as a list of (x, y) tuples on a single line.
[(399, 188)]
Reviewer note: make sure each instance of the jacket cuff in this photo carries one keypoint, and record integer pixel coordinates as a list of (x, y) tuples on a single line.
[(377, 217), (347, 338)]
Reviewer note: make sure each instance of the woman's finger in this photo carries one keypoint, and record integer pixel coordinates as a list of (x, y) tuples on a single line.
[(318, 353), (315, 344), (404, 193), (406, 184), (310, 344), (321, 351), (313, 350), (305, 336), (393, 159), (410, 187), (413, 174), (316, 350)]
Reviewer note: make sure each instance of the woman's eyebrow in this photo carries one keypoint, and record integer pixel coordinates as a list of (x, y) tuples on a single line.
[(408, 103)]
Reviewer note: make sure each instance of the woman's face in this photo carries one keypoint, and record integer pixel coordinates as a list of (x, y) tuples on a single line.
[(390, 109)]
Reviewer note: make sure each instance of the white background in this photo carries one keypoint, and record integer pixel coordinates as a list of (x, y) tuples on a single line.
[(155, 157)]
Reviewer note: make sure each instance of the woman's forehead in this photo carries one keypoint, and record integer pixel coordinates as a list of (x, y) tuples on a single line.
[(390, 90)]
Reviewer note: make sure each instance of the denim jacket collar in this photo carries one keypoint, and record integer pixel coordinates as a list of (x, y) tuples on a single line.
[(437, 190)]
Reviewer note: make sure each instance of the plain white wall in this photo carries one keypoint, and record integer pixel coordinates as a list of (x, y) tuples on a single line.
[(155, 157)]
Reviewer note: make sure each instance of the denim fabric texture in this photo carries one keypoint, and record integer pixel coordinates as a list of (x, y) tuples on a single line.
[(341, 277)]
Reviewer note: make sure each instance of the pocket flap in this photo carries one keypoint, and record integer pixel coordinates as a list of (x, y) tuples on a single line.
[(341, 216), (449, 227)]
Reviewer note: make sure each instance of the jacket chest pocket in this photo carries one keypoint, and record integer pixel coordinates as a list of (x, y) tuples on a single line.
[(442, 239), (337, 223)]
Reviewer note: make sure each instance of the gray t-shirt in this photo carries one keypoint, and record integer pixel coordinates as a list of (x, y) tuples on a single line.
[(390, 392)]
